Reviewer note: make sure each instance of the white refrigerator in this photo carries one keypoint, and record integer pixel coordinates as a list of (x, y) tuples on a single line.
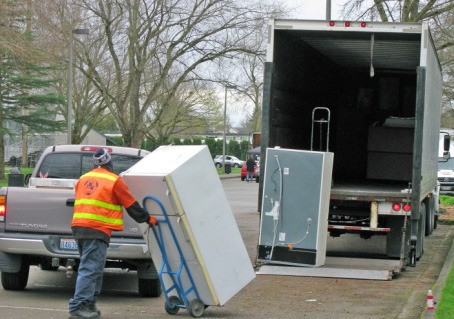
[(185, 182)]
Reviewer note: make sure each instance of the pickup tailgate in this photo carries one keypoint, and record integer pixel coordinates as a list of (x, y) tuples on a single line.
[(45, 210)]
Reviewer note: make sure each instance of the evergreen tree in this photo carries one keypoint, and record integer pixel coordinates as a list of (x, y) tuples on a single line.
[(26, 89)]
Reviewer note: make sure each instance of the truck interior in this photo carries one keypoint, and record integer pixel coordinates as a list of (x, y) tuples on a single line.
[(367, 81)]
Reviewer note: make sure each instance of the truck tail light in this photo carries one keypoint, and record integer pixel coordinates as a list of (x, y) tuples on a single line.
[(396, 207), (406, 207), (2, 208)]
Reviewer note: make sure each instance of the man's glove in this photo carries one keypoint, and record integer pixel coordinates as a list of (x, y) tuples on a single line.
[(152, 221)]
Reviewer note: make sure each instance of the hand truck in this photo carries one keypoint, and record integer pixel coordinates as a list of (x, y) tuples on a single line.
[(177, 294)]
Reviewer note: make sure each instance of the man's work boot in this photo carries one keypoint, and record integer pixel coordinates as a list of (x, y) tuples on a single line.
[(92, 307), (83, 311)]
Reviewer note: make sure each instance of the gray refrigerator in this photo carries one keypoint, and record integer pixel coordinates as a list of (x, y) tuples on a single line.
[(186, 185)]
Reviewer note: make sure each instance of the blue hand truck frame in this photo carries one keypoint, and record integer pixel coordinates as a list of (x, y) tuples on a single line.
[(173, 303)]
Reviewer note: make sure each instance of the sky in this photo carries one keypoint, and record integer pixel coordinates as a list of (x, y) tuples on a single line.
[(304, 9), (314, 9)]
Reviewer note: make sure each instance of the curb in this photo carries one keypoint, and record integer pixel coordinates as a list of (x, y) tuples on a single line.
[(229, 176), (438, 286)]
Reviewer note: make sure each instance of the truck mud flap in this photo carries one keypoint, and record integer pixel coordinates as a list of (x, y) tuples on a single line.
[(10, 263)]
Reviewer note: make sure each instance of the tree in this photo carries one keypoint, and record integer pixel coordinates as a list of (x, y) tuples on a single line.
[(26, 86), (393, 11), (159, 49), (57, 20), (211, 143)]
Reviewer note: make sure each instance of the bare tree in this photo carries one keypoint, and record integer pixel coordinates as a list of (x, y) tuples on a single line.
[(404, 10), (156, 50), (57, 20)]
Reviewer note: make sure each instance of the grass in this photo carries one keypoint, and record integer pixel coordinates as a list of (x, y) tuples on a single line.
[(446, 200), (234, 171), (24, 170), (445, 305)]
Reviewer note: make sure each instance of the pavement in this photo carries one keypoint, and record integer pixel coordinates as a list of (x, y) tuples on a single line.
[(439, 284)]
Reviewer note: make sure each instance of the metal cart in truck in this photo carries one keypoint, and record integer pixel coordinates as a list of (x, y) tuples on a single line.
[(381, 84)]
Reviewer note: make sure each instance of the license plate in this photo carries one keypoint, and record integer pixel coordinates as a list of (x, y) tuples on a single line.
[(445, 188), (69, 244)]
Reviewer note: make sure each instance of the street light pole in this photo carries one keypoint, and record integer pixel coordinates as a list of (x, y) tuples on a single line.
[(225, 126), (70, 79)]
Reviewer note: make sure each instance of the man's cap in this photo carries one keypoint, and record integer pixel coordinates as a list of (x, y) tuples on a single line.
[(101, 157)]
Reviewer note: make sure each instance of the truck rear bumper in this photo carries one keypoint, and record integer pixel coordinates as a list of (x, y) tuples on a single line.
[(49, 246)]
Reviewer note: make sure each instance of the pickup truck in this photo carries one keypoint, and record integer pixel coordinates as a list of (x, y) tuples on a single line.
[(35, 220)]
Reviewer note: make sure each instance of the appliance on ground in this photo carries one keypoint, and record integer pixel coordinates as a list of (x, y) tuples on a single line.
[(197, 243), (295, 206)]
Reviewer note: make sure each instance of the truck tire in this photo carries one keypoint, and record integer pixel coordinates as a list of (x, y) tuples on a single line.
[(421, 232), (430, 216), (16, 280), (149, 288)]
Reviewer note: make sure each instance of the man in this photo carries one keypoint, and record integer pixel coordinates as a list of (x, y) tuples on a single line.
[(250, 165), (98, 210)]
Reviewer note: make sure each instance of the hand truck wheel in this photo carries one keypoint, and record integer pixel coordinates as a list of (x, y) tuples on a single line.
[(196, 308), (172, 305)]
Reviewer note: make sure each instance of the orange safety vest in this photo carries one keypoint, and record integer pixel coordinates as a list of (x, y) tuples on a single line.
[(96, 206)]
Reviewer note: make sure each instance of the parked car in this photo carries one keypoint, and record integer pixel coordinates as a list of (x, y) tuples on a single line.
[(229, 159), (255, 174)]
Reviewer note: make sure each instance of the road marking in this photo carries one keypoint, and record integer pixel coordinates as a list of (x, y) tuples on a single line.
[(34, 308)]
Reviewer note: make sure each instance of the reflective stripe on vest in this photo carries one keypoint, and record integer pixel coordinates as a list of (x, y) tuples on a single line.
[(99, 218), (99, 203), (96, 210)]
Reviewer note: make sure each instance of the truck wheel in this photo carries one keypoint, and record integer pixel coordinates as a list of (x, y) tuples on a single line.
[(16, 280), (149, 288), (430, 207)]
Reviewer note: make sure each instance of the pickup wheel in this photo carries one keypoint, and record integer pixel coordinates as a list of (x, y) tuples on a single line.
[(149, 288), (16, 280)]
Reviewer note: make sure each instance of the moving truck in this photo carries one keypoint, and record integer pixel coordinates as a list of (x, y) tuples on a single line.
[(370, 92)]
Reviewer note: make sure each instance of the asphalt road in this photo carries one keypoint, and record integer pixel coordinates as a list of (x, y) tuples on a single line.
[(47, 293)]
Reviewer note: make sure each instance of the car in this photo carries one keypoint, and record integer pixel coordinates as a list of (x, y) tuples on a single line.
[(229, 159), (255, 174)]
